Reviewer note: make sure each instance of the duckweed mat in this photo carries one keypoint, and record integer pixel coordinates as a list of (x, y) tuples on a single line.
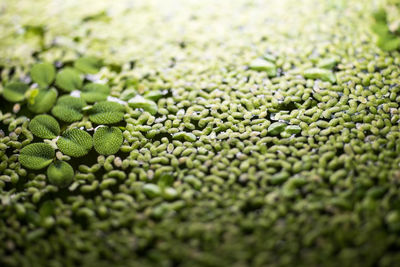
[(199, 133)]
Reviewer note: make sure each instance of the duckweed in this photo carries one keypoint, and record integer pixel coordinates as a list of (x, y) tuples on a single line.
[(210, 158)]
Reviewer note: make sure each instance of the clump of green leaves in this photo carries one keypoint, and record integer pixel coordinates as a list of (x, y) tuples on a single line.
[(261, 64)]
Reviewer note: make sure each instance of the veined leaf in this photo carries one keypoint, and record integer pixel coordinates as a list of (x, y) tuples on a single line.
[(75, 142), (107, 112), (36, 156), (44, 126), (69, 108), (107, 140)]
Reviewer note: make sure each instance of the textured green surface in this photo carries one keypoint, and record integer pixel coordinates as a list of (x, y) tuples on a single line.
[(75, 142), (107, 140), (36, 156), (106, 112), (44, 126), (199, 180)]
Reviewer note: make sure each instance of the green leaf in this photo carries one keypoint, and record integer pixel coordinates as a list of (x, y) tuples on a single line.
[(151, 190), (276, 128), (293, 129), (327, 63), (36, 156), (43, 74), (183, 136), (107, 140), (154, 95), (321, 74), (128, 94), (69, 80), (94, 92), (145, 104), (60, 174), (260, 64), (89, 65), (15, 91), (44, 126), (75, 142), (106, 112), (43, 101), (69, 108)]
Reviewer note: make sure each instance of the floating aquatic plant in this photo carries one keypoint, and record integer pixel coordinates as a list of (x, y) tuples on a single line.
[(95, 92), (15, 91), (43, 74), (69, 108), (106, 112), (36, 156), (107, 140), (68, 80), (44, 126), (75, 142), (143, 103), (43, 100), (89, 65), (60, 174)]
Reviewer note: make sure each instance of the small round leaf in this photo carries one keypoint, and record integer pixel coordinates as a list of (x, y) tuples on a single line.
[(43, 74), (94, 92), (75, 143), (107, 140), (106, 112), (69, 80), (15, 91), (36, 156), (89, 65), (60, 174), (43, 101), (69, 108), (44, 126)]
